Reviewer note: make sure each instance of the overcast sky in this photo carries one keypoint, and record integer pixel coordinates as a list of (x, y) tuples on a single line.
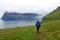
[(37, 6)]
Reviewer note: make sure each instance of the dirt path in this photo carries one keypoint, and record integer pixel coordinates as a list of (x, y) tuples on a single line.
[(36, 36)]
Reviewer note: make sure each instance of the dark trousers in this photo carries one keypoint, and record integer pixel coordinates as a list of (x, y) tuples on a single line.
[(38, 29)]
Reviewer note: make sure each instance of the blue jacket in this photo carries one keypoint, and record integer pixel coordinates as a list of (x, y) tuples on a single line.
[(38, 24)]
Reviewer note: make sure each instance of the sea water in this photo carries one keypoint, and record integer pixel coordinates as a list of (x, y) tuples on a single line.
[(20, 23)]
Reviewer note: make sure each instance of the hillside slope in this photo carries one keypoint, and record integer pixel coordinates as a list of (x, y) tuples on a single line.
[(55, 15), (49, 31)]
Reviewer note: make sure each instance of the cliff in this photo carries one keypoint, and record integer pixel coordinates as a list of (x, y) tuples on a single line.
[(13, 16)]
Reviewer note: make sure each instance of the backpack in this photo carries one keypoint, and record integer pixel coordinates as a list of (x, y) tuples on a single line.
[(38, 24)]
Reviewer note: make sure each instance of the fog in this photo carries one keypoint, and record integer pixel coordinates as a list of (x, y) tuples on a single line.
[(22, 6)]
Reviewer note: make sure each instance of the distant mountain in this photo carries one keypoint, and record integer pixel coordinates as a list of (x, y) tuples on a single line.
[(13, 16), (54, 15)]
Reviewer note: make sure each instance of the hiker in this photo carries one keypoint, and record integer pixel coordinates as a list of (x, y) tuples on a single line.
[(38, 24)]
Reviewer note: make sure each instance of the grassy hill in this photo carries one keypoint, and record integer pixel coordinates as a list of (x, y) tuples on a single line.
[(50, 30), (55, 15)]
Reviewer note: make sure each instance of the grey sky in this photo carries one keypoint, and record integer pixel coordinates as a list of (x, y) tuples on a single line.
[(37, 6)]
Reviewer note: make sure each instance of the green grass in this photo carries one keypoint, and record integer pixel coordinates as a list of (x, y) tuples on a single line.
[(23, 33), (49, 31)]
